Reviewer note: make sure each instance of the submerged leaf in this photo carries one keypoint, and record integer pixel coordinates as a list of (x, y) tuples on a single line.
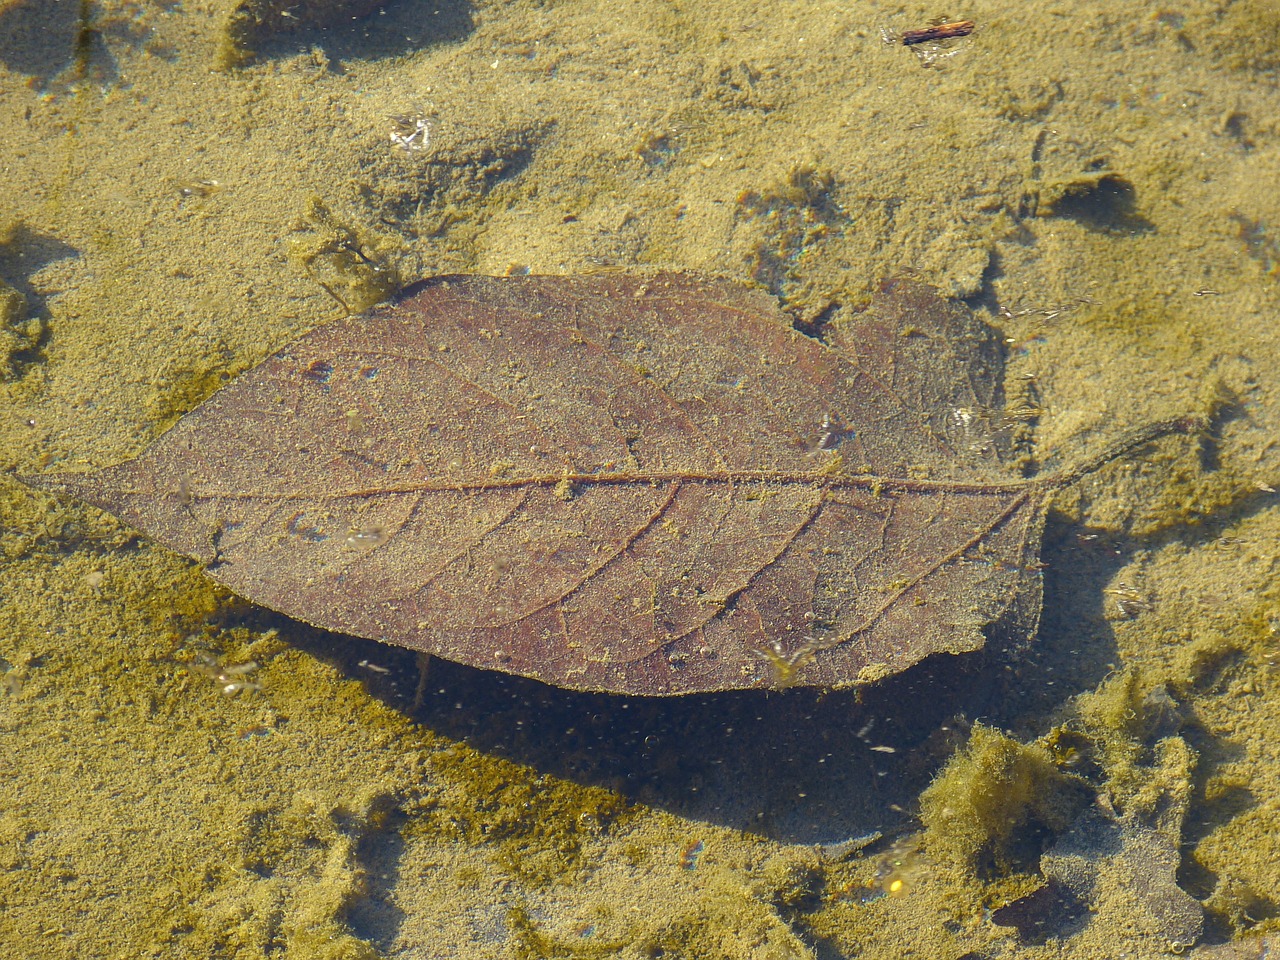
[(649, 485)]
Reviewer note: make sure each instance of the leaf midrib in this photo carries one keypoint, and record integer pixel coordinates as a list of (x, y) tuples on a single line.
[(814, 479)]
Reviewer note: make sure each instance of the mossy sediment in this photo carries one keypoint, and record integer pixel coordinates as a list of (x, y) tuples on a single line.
[(988, 809)]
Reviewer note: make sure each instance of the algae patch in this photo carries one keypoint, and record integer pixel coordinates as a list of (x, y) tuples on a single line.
[(994, 798), (535, 826), (351, 263), (1106, 855)]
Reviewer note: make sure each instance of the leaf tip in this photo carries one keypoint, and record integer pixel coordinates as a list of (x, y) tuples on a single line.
[(79, 486), (58, 484)]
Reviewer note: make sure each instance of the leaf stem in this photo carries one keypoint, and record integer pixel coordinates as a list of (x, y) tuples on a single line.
[(1126, 444)]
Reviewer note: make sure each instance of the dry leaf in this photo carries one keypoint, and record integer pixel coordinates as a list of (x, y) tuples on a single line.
[(649, 485)]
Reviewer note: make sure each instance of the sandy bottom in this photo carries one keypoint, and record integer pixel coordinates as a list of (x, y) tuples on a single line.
[(186, 187)]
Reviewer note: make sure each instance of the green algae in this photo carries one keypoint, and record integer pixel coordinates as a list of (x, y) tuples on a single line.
[(535, 824), (991, 796), (351, 263), (533, 943)]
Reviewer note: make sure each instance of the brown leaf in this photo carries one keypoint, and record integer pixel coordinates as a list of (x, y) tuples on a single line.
[(644, 485)]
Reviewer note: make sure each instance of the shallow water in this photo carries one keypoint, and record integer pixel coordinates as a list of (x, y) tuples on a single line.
[(1099, 181)]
